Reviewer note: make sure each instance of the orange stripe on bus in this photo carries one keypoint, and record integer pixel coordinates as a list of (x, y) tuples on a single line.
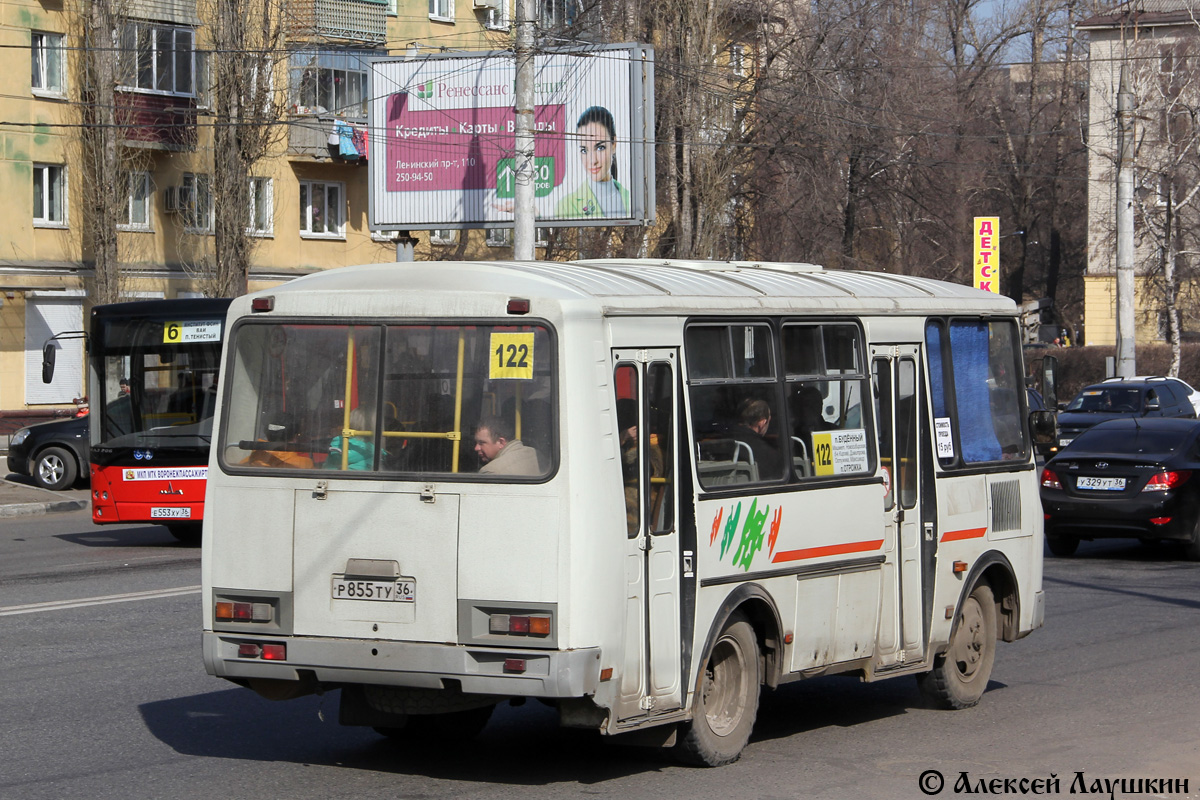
[(828, 550), (969, 533)]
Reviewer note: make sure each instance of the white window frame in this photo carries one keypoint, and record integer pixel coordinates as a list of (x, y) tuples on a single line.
[(737, 60), (132, 202), (392, 9), (542, 236), (499, 237), (47, 50), (129, 39), (312, 69), (267, 198), (195, 201), (498, 18), (441, 10), (53, 207), (444, 236), (307, 188)]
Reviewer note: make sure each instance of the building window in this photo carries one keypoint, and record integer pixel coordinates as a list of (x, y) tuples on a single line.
[(556, 13), (48, 63), (443, 237), (441, 9), (330, 83), (542, 237), (322, 211), (137, 202), (158, 58), (262, 207), (49, 195), (392, 9), (195, 203), (499, 237), (498, 17), (737, 60)]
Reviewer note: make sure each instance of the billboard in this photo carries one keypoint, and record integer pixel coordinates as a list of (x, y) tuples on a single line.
[(987, 254), (443, 132)]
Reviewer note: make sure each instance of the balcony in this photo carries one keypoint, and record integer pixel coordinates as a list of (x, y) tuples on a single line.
[(309, 137), (157, 121), (357, 21)]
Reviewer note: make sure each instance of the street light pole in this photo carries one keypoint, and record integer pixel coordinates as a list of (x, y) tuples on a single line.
[(1126, 335), (524, 209)]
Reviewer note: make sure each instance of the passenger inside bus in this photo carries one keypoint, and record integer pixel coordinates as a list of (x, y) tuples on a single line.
[(284, 433), (360, 453), (754, 419), (627, 424), (500, 453)]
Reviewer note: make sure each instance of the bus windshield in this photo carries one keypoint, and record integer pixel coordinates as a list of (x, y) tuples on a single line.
[(371, 398), (157, 381)]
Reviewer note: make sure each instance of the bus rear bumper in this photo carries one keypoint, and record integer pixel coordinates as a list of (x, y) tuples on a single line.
[(477, 670)]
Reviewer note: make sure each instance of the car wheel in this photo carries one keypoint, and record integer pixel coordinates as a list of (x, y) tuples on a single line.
[(1062, 546), (961, 674), (726, 699), (54, 468), (1191, 549)]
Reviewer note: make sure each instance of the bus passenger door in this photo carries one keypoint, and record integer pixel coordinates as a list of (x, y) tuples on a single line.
[(894, 374), (647, 417)]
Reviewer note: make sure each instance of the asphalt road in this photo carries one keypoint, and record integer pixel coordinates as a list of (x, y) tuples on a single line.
[(104, 696)]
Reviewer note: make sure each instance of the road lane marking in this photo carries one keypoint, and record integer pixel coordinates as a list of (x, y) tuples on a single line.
[(128, 597)]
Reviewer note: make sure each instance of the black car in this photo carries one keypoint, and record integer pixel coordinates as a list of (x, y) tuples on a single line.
[(1118, 398), (1126, 478), (54, 453)]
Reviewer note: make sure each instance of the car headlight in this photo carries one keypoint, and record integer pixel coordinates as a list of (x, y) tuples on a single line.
[(18, 437)]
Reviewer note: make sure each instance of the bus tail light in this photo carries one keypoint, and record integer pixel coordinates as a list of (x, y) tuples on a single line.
[(230, 611), (520, 624), (267, 651)]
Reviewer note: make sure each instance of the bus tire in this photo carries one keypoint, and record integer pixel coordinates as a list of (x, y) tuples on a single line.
[(186, 532), (961, 674), (1062, 546), (54, 468), (725, 703)]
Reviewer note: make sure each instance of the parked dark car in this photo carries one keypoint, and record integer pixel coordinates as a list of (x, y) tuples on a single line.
[(1126, 478), (53, 453), (1117, 398)]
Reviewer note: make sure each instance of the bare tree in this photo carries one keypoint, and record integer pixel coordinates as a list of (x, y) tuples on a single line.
[(248, 54), (105, 160)]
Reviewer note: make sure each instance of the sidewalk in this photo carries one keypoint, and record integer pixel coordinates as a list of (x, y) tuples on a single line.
[(20, 499)]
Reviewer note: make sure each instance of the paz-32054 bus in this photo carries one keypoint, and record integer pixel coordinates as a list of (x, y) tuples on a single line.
[(637, 490)]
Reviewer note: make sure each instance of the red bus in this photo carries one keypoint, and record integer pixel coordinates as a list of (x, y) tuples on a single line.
[(152, 386)]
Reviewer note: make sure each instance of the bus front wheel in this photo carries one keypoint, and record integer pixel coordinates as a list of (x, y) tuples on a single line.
[(960, 675), (726, 699)]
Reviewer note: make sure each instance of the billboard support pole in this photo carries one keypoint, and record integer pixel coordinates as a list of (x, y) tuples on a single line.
[(524, 209)]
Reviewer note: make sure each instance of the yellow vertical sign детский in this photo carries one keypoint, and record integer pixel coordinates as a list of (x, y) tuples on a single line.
[(987, 254)]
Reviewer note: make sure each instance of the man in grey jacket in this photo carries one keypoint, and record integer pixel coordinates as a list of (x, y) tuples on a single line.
[(500, 453)]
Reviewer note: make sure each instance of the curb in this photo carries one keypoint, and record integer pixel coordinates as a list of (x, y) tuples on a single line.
[(33, 509)]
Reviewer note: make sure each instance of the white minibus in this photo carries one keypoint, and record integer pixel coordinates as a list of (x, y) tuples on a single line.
[(640, 491)]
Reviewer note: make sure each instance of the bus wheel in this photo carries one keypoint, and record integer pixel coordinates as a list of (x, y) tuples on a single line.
[(960, 675), (726, 699), (1062, 546), (186, 532)]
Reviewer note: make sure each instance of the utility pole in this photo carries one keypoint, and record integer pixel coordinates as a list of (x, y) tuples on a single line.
[(1126, 335), (524, 209)]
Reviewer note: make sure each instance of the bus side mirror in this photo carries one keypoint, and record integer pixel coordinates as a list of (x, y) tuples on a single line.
[(1050, 381), (48, 354), (1042, 425)]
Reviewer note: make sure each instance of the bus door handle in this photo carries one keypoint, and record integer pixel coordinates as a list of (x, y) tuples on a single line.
[(321, 492), (929, 531), (645, 544)]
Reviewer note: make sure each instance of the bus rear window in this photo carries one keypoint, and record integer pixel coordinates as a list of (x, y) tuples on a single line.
[(423, 399)]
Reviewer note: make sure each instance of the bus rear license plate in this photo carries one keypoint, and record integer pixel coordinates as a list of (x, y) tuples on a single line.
[(170, 513), (403, 591)]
